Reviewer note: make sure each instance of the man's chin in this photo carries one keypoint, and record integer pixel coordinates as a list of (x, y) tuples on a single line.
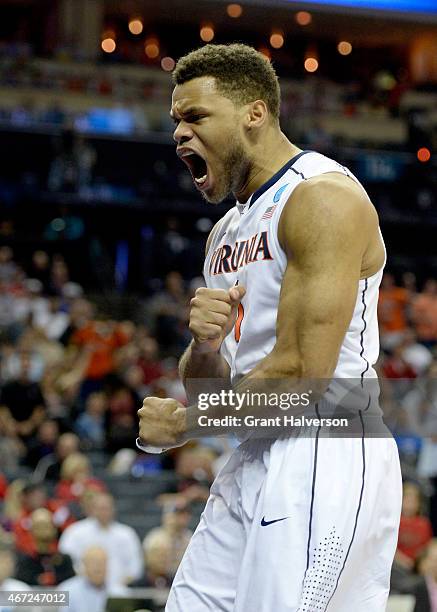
[(213, 197)]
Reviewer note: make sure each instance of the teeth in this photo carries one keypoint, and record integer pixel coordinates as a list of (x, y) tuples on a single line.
[(201, 180)]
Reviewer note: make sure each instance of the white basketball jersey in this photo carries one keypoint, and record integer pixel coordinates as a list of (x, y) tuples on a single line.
[(245, 249)]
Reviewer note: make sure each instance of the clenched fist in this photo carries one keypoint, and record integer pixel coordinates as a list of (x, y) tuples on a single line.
[(162, 422), (213, 314)]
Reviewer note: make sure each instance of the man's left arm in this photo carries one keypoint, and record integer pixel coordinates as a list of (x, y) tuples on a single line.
[(325, 229)]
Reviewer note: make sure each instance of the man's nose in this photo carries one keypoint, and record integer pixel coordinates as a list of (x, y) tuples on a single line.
[(182, 133)]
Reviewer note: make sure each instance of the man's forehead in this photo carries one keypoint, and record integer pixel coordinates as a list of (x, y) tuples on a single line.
[(196, 92)]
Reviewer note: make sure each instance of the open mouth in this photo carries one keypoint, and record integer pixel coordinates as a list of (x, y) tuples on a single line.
[(198, 168)]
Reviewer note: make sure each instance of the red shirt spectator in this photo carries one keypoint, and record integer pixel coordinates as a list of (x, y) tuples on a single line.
[(34, 497), (3, 486), (101, 339), (424, 313), (392, 306), (415, 530), (395, 366), (76, 477)]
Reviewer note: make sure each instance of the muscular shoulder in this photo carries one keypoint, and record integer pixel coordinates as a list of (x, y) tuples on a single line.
[(327, 208)]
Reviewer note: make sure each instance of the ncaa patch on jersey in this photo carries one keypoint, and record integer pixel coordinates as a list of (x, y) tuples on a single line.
[(280, 191)]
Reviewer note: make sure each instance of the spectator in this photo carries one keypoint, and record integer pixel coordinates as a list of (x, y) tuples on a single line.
[(53, 321), (169, 310), (59, 275), (22, 403), (396, 366), (392, 311), (159, 571), (7, 570), (3, 486), (40, 269), (31, 497), (194, 466), (12, 449), (415, 530), (175, 522), (426, 591), (134, 379), (421, 404), (49, 468), (100, 529), (149, 361), (45, 565), (8, 268), (12, 506), (424, 314), (90, 426), (81, 313), (171, 382), (76, 477), (89, 590), (99, 340), (414, 353), (122, 420), (44, 443)]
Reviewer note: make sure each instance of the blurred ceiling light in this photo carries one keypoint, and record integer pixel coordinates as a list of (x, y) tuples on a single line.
[(167, 64), (423, 154), (151, 47), (303, 18), (344, 47), (277, 40), (234, 10), (266, 52), (108, 45), (207, 32), (311, 64), (135, 26)]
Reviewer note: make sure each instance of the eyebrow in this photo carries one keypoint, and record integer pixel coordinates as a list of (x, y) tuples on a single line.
[(190, 110)]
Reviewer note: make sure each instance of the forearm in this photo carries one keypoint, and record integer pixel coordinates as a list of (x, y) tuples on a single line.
[(198, 363), (268, 391)]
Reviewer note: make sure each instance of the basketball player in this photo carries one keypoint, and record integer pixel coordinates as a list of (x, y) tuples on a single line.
[(301, 523)]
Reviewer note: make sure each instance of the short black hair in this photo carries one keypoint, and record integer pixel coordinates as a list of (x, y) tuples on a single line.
[(241, 73)]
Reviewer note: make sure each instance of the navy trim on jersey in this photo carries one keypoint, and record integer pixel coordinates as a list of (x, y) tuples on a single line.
[(298, 173), (312, 492), (363, 449), (276, 176), (363, 330)]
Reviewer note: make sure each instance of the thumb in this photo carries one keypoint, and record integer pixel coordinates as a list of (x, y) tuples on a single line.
[(237, 293)]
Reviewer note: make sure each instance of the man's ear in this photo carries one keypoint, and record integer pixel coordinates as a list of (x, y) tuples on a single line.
[(257, 114)]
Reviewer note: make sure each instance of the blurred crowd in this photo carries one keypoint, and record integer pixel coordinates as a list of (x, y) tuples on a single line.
[(71, 382), (128, 97), (408, 378)]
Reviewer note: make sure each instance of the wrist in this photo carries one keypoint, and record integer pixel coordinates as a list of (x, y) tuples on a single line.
[(203, 347)]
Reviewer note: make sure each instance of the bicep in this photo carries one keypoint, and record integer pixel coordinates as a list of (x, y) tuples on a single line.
[(314, 312), (325, 234)]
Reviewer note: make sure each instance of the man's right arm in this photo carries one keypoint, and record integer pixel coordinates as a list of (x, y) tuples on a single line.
[(197, 364), (212, 316)]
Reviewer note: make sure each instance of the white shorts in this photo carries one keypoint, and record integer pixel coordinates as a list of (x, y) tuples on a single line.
[(296, 525)]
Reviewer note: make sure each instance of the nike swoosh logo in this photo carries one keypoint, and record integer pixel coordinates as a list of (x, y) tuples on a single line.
[(264, 523)]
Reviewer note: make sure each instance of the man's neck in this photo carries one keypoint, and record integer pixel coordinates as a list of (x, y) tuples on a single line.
[(270, 156)]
